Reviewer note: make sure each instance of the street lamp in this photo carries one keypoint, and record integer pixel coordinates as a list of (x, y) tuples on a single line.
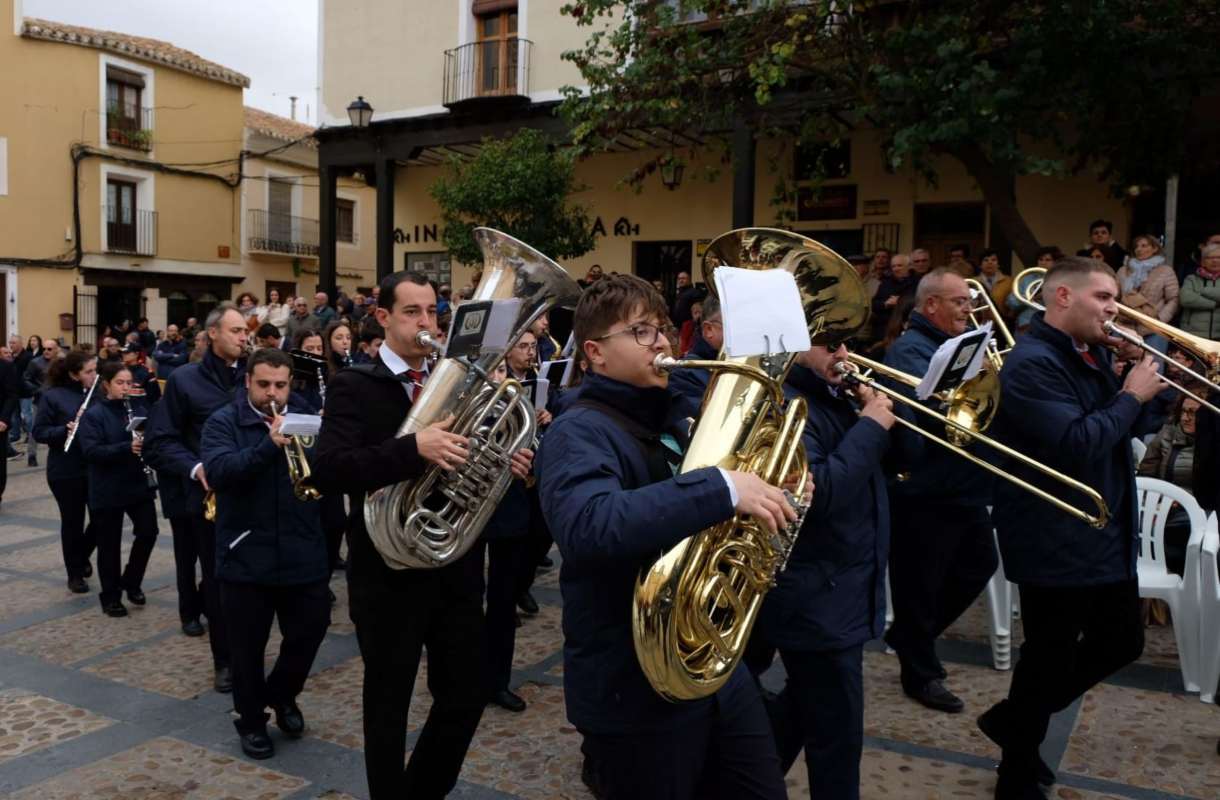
[(360, 113), (671, 171)]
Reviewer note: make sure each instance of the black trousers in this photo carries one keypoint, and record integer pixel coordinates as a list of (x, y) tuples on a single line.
[(186, 553), (304, 614), (538, 543), (4, 446), (449, 623), (822, 710), (108, 525), (941, 558), (504, 585), (77, 539), (1074, 638), (205, 539), (731, 755), (334, 524)]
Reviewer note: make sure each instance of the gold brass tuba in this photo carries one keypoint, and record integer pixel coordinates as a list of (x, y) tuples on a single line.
[(695, 606), (433, 520)]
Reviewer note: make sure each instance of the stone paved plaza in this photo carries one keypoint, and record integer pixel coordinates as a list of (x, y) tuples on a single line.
[(92, 707)]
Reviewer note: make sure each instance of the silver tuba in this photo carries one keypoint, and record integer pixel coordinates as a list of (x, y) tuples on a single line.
[(433, 520)]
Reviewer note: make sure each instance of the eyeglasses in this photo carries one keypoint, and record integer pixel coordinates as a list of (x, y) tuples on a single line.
[(526, 347), (645, 333)]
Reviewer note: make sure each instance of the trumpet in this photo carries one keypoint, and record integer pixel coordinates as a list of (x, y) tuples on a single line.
[(1204, 351), (80, 412), (958, 420), (298, 464)]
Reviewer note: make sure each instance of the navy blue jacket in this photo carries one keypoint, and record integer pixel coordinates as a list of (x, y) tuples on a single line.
[(116, 475), (832, 594), (686, 385), (1071, 416), (610, 520), (171, 440), (169, 356), (935, 474), (56, 408), (145, 391), (264, 534)]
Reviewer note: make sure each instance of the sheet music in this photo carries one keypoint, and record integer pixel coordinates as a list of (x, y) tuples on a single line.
[(301, 425), (761, 312), (542, 388), (956, 360)]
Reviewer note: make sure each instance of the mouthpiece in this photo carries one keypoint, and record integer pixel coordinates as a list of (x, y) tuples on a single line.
[(426, 339), (663, 363)]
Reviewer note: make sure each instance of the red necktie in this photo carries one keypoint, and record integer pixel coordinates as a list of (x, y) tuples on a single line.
[(417, 382), (1088, 358)]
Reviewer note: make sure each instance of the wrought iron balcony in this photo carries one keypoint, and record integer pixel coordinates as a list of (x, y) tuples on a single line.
[(134, 132), (494, 68), (282, 233), (131, 232)]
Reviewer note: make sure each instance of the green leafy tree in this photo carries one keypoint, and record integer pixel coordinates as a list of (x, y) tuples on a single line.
[(519, 185), (1052, 87)]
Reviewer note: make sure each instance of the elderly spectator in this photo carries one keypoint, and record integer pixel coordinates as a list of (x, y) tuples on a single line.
[(894, 286), (322, 310), (1170, 457), (921, 262), (1201, 295), (959, 260), (35, 378), (301, 319), (191, 329), (1193, 261), (879, 267), (276, 312), (171, 353), (1101, 238), (1147, 284)]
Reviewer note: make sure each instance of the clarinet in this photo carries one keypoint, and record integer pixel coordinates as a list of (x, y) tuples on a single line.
[(150, 477), (321, 385)]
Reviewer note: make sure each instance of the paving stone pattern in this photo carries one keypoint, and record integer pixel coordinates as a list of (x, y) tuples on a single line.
[(92, 707)]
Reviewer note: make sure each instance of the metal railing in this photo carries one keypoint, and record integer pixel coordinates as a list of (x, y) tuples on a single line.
[(125, 131), (282, 233), (491, 68), (128, 232)]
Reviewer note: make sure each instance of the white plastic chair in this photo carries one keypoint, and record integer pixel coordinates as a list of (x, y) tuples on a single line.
[(1182, 594), (1209, 628), (1138, 449), (1000, 595)]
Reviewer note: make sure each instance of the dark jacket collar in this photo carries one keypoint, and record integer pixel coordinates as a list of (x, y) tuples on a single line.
[(924, 325), (701, 350), (221, 372), (814, 386), (649, 407), (1039, 329)]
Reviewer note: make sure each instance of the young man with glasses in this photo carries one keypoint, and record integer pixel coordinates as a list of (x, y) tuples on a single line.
[(943, 551), (606, 473)]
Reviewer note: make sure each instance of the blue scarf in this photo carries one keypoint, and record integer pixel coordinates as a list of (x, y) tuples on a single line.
[(1140, 269)]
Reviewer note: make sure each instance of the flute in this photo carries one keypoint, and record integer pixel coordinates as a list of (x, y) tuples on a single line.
[(80, 412)]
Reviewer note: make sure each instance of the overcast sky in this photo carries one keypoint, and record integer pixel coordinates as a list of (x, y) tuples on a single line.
[(274, 42)]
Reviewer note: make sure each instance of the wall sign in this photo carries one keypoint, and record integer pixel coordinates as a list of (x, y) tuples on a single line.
[(832, 202), (420, 233), (876, 208), (622, 227)]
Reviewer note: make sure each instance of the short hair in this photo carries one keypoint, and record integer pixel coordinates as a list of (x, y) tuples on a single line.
[(988, 253), (370, 329), (1050, 250), (964, 249), (711, 307), (1072, 270), (931, 284), (142, 320), (1101, 223), (107, 371), (271, 356), (389, 285), (613, 299), (268, 331), (215, 315)]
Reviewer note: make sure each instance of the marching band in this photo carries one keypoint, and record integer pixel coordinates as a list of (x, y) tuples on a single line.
[(707, 520)]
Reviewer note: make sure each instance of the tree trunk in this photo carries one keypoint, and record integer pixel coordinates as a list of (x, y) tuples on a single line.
[(997, 186)]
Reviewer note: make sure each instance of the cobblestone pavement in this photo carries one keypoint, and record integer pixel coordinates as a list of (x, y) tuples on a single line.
[(92, 707)]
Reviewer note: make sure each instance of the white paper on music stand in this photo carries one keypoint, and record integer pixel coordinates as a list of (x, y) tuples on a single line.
[(569, 347), (500, 325), (301, 425), (135, 424), (761, 312), (952, 356), (540, 393)]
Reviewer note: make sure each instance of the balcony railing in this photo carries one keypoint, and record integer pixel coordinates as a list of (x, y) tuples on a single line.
[(492, 68), (131, 232), (131, 132), (282, 233)]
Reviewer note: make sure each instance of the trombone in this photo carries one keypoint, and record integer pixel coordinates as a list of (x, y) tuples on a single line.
[(964, 424), (1029, 282)]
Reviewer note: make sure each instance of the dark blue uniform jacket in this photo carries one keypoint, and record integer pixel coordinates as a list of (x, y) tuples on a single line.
[(56, 408), (116, 475), (1061, 411), (686, 386), (264, 534), (610, 519), (832, 595)]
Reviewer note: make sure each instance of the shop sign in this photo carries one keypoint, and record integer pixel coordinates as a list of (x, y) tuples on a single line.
[(622, 227), (421, 233)]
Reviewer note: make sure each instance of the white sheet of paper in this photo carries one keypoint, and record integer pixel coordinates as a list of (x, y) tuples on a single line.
[(540, 394), (500, 326), (135, 424), (762, 312), (301, 425), (569, 347), (940, 360)]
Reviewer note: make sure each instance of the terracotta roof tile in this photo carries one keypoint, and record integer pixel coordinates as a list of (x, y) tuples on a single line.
[(277, 127), (154, 50)]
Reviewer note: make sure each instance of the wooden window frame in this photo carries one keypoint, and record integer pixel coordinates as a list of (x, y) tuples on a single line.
[(507, 67), (134, 226), (342, 205)]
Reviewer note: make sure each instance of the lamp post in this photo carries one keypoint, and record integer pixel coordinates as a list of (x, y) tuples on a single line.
[(360, 113), (671, 171)]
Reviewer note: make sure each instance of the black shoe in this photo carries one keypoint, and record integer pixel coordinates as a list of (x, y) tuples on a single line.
[(527, 604), (935, 696), (223, 682), (115, 609), (340, 565), (88, 570), (1021, 787), (193, 627), (33, 462), (589, 778), (994, 723), (508, 701), (78, 586), (546, 563), (289, 719), (136, 596), (257, 744)]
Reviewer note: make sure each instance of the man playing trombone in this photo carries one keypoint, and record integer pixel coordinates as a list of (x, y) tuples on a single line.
[(1062, 405)]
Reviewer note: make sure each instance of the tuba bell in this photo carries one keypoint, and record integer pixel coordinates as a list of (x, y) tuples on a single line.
[(433, 520), (694, 608)]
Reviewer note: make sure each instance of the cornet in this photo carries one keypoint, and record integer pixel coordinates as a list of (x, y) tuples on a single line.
[(298, 464)]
